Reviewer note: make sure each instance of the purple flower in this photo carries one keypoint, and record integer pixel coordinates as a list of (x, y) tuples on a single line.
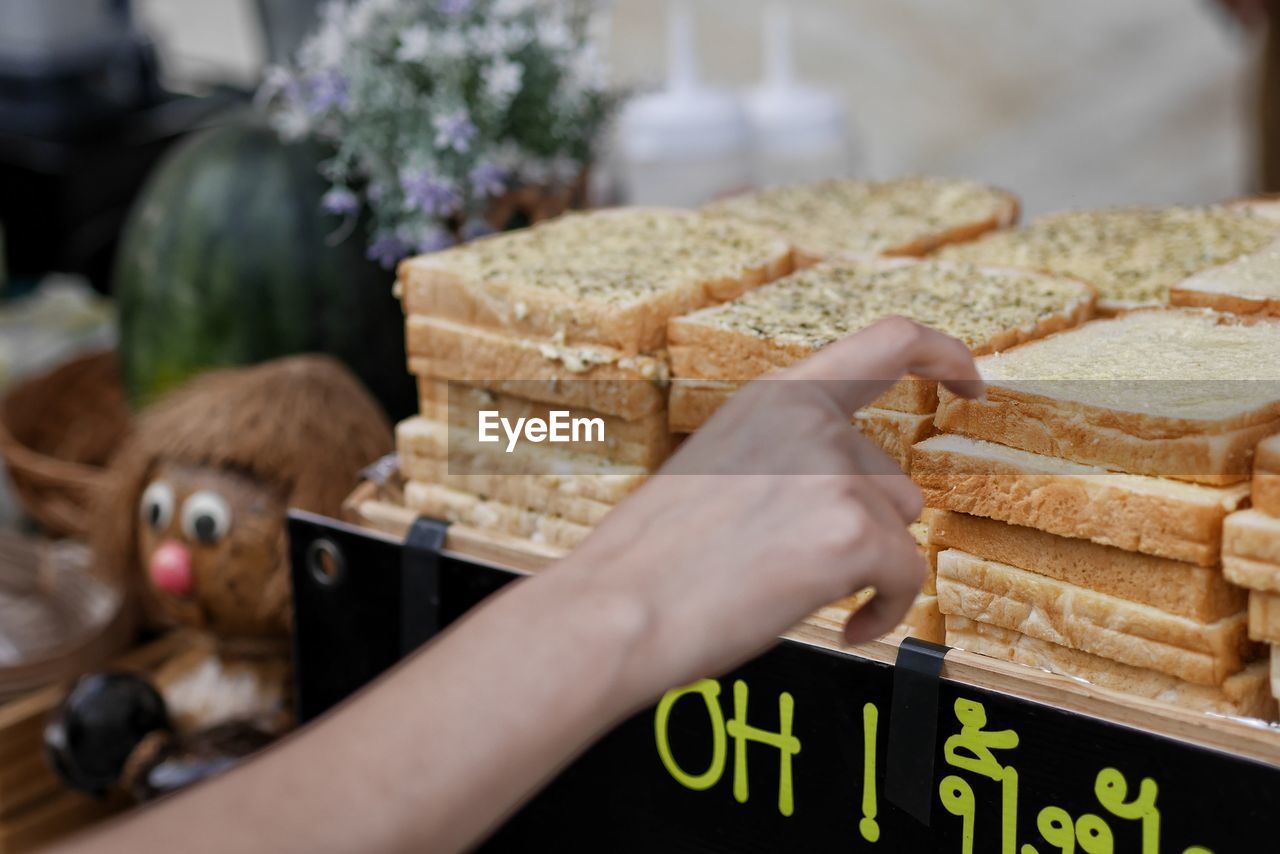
[(488, 179), (325, 91), (434, 197), (454, 131), (387, 251), (435, 240), (454, 8), (340, 201)]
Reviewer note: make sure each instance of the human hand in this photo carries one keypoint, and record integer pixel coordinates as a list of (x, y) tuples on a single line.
[(774, 508)]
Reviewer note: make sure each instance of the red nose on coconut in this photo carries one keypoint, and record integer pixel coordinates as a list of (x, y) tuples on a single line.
[(170, 568)]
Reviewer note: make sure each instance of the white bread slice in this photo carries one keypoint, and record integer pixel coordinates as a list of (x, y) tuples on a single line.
[(1251, 574), (1131, 255), (643, 442), (1184, 394), (584, 377), (923, 620), (1275, 671), (895, 433), (1191, 591), (464, 509), (518, 490), (1264, 616), (1248, 285), (905, 216), (610, 278), (693, 401), (784, 322), (424, 449), (1266, 476), (1155, 516), (1251, 550), (1243, 694), (1072, 616)]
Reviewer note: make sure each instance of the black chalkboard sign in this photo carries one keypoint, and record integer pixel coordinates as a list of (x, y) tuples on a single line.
[(794, 750)]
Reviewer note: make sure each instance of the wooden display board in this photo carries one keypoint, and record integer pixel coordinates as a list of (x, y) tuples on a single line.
[(884, 746)]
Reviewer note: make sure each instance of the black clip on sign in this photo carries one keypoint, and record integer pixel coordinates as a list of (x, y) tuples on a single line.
[(913, 727), (420, 583)]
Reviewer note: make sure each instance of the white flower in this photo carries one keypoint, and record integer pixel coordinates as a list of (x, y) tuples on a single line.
[(586, 70), (415, 44), (451, 44), (502, 80), (511, 8), (554, 34)]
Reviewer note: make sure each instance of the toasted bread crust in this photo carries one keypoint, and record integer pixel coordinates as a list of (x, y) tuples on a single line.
[(461, 508), (1136, 444), (643, 442), (701, 349), (1244, 694), (623, 386), (1185, 589), (1251, 574), (453, 285), (1264, 616), (1112, 510), (1093, 622)]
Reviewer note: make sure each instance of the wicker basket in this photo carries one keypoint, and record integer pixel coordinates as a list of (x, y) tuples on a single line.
[(57, 432)]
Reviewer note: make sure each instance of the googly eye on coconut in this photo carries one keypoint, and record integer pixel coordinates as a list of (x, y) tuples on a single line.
[(156, 506), (206, 517)]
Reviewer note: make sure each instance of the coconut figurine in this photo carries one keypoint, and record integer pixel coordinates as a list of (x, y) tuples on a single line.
[(195, 516)]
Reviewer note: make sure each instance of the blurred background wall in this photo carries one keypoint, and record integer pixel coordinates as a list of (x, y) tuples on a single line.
[(1089, 102)]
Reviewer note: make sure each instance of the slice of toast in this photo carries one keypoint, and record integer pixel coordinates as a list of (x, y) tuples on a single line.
[(1243, 694), (1133, 256), (693, 402), (1252, 534), (584, 377), (609, 278), (1251, 574), (782, 323), (424, 447), (1191, 591), (905, 216), (1264, 616), (1155, 516), (895, 433), (1266, 476), (1248, 285), (518, 490), (923, 620), (465, 509), (643, 442), (1172, 393), (1114, 628)]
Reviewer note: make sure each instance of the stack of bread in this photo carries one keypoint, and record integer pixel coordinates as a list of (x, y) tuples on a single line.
[(715, 349), (1251, 553), (567, 316), (572, 315), (1079, 508), (1133, 256)]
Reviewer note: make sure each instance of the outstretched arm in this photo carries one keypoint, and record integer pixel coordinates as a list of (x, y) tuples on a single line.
[(775, 508)]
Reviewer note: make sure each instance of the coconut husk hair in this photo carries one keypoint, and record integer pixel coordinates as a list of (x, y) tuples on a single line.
[(303, 425)]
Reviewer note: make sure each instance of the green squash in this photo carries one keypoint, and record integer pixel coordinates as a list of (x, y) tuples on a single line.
[(228, 260)]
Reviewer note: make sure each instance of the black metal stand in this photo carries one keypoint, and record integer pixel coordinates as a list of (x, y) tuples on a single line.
[(802, 749)]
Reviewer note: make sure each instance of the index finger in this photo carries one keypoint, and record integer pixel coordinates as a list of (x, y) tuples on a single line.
[(856, 370)]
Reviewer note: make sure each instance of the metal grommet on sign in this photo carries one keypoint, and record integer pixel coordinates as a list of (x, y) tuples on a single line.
[(325, 562)]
